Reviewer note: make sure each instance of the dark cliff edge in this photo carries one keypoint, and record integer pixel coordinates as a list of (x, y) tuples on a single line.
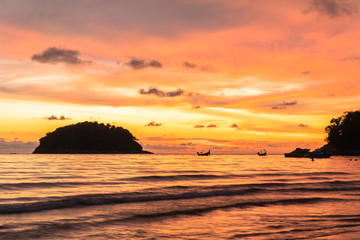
[(89, 138)]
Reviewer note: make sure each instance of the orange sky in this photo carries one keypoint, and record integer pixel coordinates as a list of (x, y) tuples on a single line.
[(181, 75)]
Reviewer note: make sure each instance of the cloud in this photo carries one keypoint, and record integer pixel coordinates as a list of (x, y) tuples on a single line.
[(211, 126), (16, 146), (288, 103), (196, 107), (303, 125), (332, 8), (53, 117), (203, 68), (153, 124), (207, 68), (140, 64), (234, 125), (306, 72), (155, 64), (199, 126), (189, 65), (160, 93), (155, 17), (59, 55), (187, 144), (350, 59), (284, 104)]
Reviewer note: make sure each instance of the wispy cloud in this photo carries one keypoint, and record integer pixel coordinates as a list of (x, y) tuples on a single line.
[(160, 93), (234, 125), (189, 65), (53, 117), (199, 126), (303, 125), (153, 124), (211, 126), (141, 63), (59, 55), (284, 104), (201, 68), (355, 58), (332, 8)]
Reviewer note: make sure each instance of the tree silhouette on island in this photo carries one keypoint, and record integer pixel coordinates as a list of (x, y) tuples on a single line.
[(89, 138), (343, 135)]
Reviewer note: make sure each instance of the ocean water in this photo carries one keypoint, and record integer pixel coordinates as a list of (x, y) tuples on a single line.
[(178, 197)]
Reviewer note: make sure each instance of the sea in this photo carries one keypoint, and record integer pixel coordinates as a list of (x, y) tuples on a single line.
[(178, 197)]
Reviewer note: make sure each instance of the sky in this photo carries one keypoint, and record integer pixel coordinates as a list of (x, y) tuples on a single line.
[(181, 75)]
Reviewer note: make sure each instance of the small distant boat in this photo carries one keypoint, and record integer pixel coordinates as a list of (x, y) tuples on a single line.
[(203, 154), (262, 152), (318, 153), (298, 153)]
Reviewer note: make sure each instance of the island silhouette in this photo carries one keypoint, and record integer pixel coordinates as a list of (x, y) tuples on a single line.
[(89, 138)]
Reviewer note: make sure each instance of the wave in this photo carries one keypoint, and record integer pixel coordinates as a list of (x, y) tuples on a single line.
[(177, 192), (183, 177), (303, 174), (171, 193), (178, 177), (46, 228), (104, 199), (175, 177), (13, 186), (315, 232)]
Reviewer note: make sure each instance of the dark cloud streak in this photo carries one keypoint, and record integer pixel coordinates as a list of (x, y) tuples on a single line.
[(138, 64), (160, 93), (202, 68), (284, 105), (53, 117), (59, 55), (189, 65), (350, 59), (332, 8), (153, 124)]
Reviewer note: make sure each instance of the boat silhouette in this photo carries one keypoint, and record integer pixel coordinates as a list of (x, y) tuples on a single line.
[(298, 153), (203, 154), (262, 152)]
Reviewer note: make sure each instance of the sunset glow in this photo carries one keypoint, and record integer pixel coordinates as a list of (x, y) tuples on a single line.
[(182, 75)]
